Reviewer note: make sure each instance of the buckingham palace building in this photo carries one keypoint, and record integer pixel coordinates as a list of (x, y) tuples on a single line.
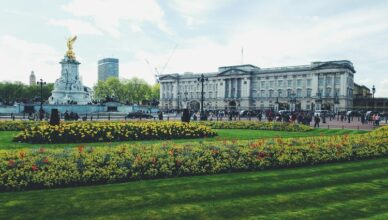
[(318, 86)]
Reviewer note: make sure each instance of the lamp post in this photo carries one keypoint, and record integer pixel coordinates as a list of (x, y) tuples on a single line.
[(41, 83), (373, 96), (318, 101), (179, 101), (202, 79), (293, 101), (277, 104), (186, 93), (336, 102)]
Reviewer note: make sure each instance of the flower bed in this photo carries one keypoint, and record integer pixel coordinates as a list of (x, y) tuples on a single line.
[(31, 169), (18, 125), (112, 131), (255, 125)]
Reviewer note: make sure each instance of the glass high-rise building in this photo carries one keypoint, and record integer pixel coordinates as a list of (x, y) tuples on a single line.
[(108, 67)]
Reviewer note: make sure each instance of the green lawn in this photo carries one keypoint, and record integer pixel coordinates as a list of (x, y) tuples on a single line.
[(333, 191), (240, 134)]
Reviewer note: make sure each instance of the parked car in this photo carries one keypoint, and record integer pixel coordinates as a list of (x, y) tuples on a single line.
[(245, 113), (133, 115), (321, 113), (284, 112)]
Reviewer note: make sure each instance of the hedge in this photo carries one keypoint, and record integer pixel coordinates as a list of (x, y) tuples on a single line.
[(41, 168), (256, 125), (19, 125), (112, 131)]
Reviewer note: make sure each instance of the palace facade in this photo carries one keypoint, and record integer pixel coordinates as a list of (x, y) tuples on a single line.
[(320, 85)]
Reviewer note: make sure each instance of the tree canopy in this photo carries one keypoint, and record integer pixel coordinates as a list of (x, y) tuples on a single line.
[(11, 92), (131, 91)]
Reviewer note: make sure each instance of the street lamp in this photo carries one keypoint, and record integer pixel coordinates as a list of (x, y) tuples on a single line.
[(41, 83), (293, 101), (373, 96), (202, 79), (277, 104), (186, 93), (318, 101), (336, 102)]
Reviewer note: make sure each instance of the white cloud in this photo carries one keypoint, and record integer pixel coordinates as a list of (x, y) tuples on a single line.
[(76, 27), (108, 15), (19, 57), (196, 12)]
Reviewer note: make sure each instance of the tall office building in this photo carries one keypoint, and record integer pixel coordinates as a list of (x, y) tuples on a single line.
[(32, 79), (108, 67)]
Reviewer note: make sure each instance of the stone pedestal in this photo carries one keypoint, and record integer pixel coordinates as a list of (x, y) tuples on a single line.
[(69, 88)]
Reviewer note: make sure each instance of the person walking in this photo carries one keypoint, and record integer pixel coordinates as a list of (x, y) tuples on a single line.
[(316, 121)]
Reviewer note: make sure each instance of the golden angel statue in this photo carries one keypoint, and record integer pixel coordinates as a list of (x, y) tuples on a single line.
[(70, 42)]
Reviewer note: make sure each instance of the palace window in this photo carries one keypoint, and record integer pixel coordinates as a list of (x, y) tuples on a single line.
[(328, 80), (337, 80), (271, 93), (288, 92), (308, 82), (299, 83), (280, 83), (280, 93), (309, 92), (289, 83), (298, 93), (320, 81)]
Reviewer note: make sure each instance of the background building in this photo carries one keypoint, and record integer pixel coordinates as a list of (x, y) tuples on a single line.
[(320, 85), (361, 91), (32, 78), (108, 67)]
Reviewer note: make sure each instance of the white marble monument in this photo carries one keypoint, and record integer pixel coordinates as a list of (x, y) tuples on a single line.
[(68, 89)]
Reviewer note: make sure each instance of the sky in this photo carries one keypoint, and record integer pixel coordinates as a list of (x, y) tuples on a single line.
[(152, 37)]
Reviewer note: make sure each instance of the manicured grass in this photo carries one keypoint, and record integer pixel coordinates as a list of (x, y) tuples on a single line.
[(345, 190), (239, 134)]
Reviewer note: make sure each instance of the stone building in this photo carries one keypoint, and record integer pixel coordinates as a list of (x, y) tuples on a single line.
[(32, 79), (320, 85), (361, 91)]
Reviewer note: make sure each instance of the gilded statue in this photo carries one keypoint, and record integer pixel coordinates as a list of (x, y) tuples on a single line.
[(70, 42)]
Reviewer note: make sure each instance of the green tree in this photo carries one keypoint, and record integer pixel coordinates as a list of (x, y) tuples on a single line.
[(11, 92), (133, 90)]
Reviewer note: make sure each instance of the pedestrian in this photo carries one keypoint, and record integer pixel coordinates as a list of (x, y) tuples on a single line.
[(316, 121)]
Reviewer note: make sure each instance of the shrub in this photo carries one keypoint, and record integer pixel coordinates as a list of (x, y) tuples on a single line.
[(112, 131), (18, 125), (255, 125), (41, 168)]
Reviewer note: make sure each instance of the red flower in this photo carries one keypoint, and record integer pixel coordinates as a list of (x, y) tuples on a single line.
[(80, 149), (22, 154), (34, 167), (11, 163), (154, 160), (46, 160)]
